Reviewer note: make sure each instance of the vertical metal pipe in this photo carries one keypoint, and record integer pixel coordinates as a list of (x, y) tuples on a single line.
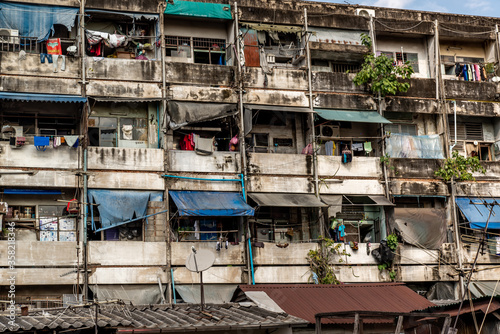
[(240, 99), (84, 227), (173, 285), (311, 105), (239, 79), (436, 57)]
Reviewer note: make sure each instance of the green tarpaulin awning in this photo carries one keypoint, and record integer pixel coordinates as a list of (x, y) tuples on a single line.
[(352, 116), (199, 9)]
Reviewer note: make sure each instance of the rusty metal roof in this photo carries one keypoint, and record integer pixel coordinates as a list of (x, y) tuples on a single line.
[(306, 300), (168, 318)]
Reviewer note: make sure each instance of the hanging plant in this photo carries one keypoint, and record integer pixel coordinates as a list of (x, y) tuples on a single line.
[(321, 261)]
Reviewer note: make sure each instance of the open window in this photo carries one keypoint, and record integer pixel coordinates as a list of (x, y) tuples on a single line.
[(127, 124), (353, 131), (285, 218), (275, 129), (121, 35), (357, 218), (475, 136)]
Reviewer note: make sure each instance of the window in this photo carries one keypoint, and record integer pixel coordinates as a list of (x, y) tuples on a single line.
[(402, 128), (400, 58), (203, 50), (54, 225), (102, 131), (118, 132)]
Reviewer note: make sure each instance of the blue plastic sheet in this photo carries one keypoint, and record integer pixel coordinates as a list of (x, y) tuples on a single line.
[(35, 20), (33, 97), (210, 203), (477, 213), (406, 146), (116, 206)]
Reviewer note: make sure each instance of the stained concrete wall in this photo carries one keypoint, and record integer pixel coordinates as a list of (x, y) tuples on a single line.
[(189, 161), (129, 159), (11, 64), (63, 157)]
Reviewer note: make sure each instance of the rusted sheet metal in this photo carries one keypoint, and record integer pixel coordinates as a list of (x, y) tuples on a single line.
[(251, 49), (305, 300)]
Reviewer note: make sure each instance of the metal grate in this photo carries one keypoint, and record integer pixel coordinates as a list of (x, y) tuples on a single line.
[(177, 40), (342, 68)]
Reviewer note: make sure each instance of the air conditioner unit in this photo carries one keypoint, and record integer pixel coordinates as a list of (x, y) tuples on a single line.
[(365, 12), (328, 132), (9, 36)]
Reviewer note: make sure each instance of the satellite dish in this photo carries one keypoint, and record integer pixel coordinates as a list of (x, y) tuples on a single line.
[(200, 260)]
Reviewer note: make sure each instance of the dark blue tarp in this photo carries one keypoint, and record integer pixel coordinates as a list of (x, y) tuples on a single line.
[(31, 192), (35, 20), (477, 213), (117, 206), (210, 203), (28, 97)]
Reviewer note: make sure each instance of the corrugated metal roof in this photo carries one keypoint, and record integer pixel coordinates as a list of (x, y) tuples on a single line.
[(306, 300), (169, 318)]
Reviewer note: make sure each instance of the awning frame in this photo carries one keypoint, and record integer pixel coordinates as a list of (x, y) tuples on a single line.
[(356, 116)]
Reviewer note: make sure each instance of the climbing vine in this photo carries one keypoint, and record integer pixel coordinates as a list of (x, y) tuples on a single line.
[(321, 261), (460, 168), (380, 73)]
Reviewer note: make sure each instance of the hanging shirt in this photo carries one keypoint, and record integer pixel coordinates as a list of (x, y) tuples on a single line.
[(54, 46)]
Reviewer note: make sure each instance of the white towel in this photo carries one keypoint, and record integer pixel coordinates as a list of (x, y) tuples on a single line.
[(70, 140)]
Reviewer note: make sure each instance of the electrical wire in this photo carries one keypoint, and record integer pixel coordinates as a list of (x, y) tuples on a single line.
[(466, 32), (398, 29)]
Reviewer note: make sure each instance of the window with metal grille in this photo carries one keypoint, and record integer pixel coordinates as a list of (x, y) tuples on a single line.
[(402, 128), (342, 68), (204, 50), (401, 58), (467, 131)]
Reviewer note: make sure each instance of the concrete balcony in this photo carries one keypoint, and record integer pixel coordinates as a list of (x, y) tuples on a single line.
[(123, 69), (228, 268), (289, 265), (127, 159), (31, 76), (27, 156), (199, 74), (189, 161)]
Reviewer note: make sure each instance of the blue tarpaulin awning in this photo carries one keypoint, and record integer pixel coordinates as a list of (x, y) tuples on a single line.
[(352, 116), (199, 9), (35, 20), (31, 97), (477, 212), (117, 206), (31, 192), (210, 203)]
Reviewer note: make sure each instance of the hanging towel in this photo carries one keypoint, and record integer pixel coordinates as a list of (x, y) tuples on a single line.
[(478, 73), (41, 143), (329, 147), (368, 146), (71, 140), (57, 141), (357, 146), (464, 69)]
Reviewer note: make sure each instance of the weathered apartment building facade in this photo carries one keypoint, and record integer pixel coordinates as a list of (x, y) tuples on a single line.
[(226, 126)]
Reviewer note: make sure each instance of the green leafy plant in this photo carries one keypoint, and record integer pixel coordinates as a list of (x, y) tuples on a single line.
[(460, 168), (381, 75), (392, 242), (366, 40), (321, 261), (385, 159)]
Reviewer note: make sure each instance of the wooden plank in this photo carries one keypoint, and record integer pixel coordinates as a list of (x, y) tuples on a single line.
[(233, 255)]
